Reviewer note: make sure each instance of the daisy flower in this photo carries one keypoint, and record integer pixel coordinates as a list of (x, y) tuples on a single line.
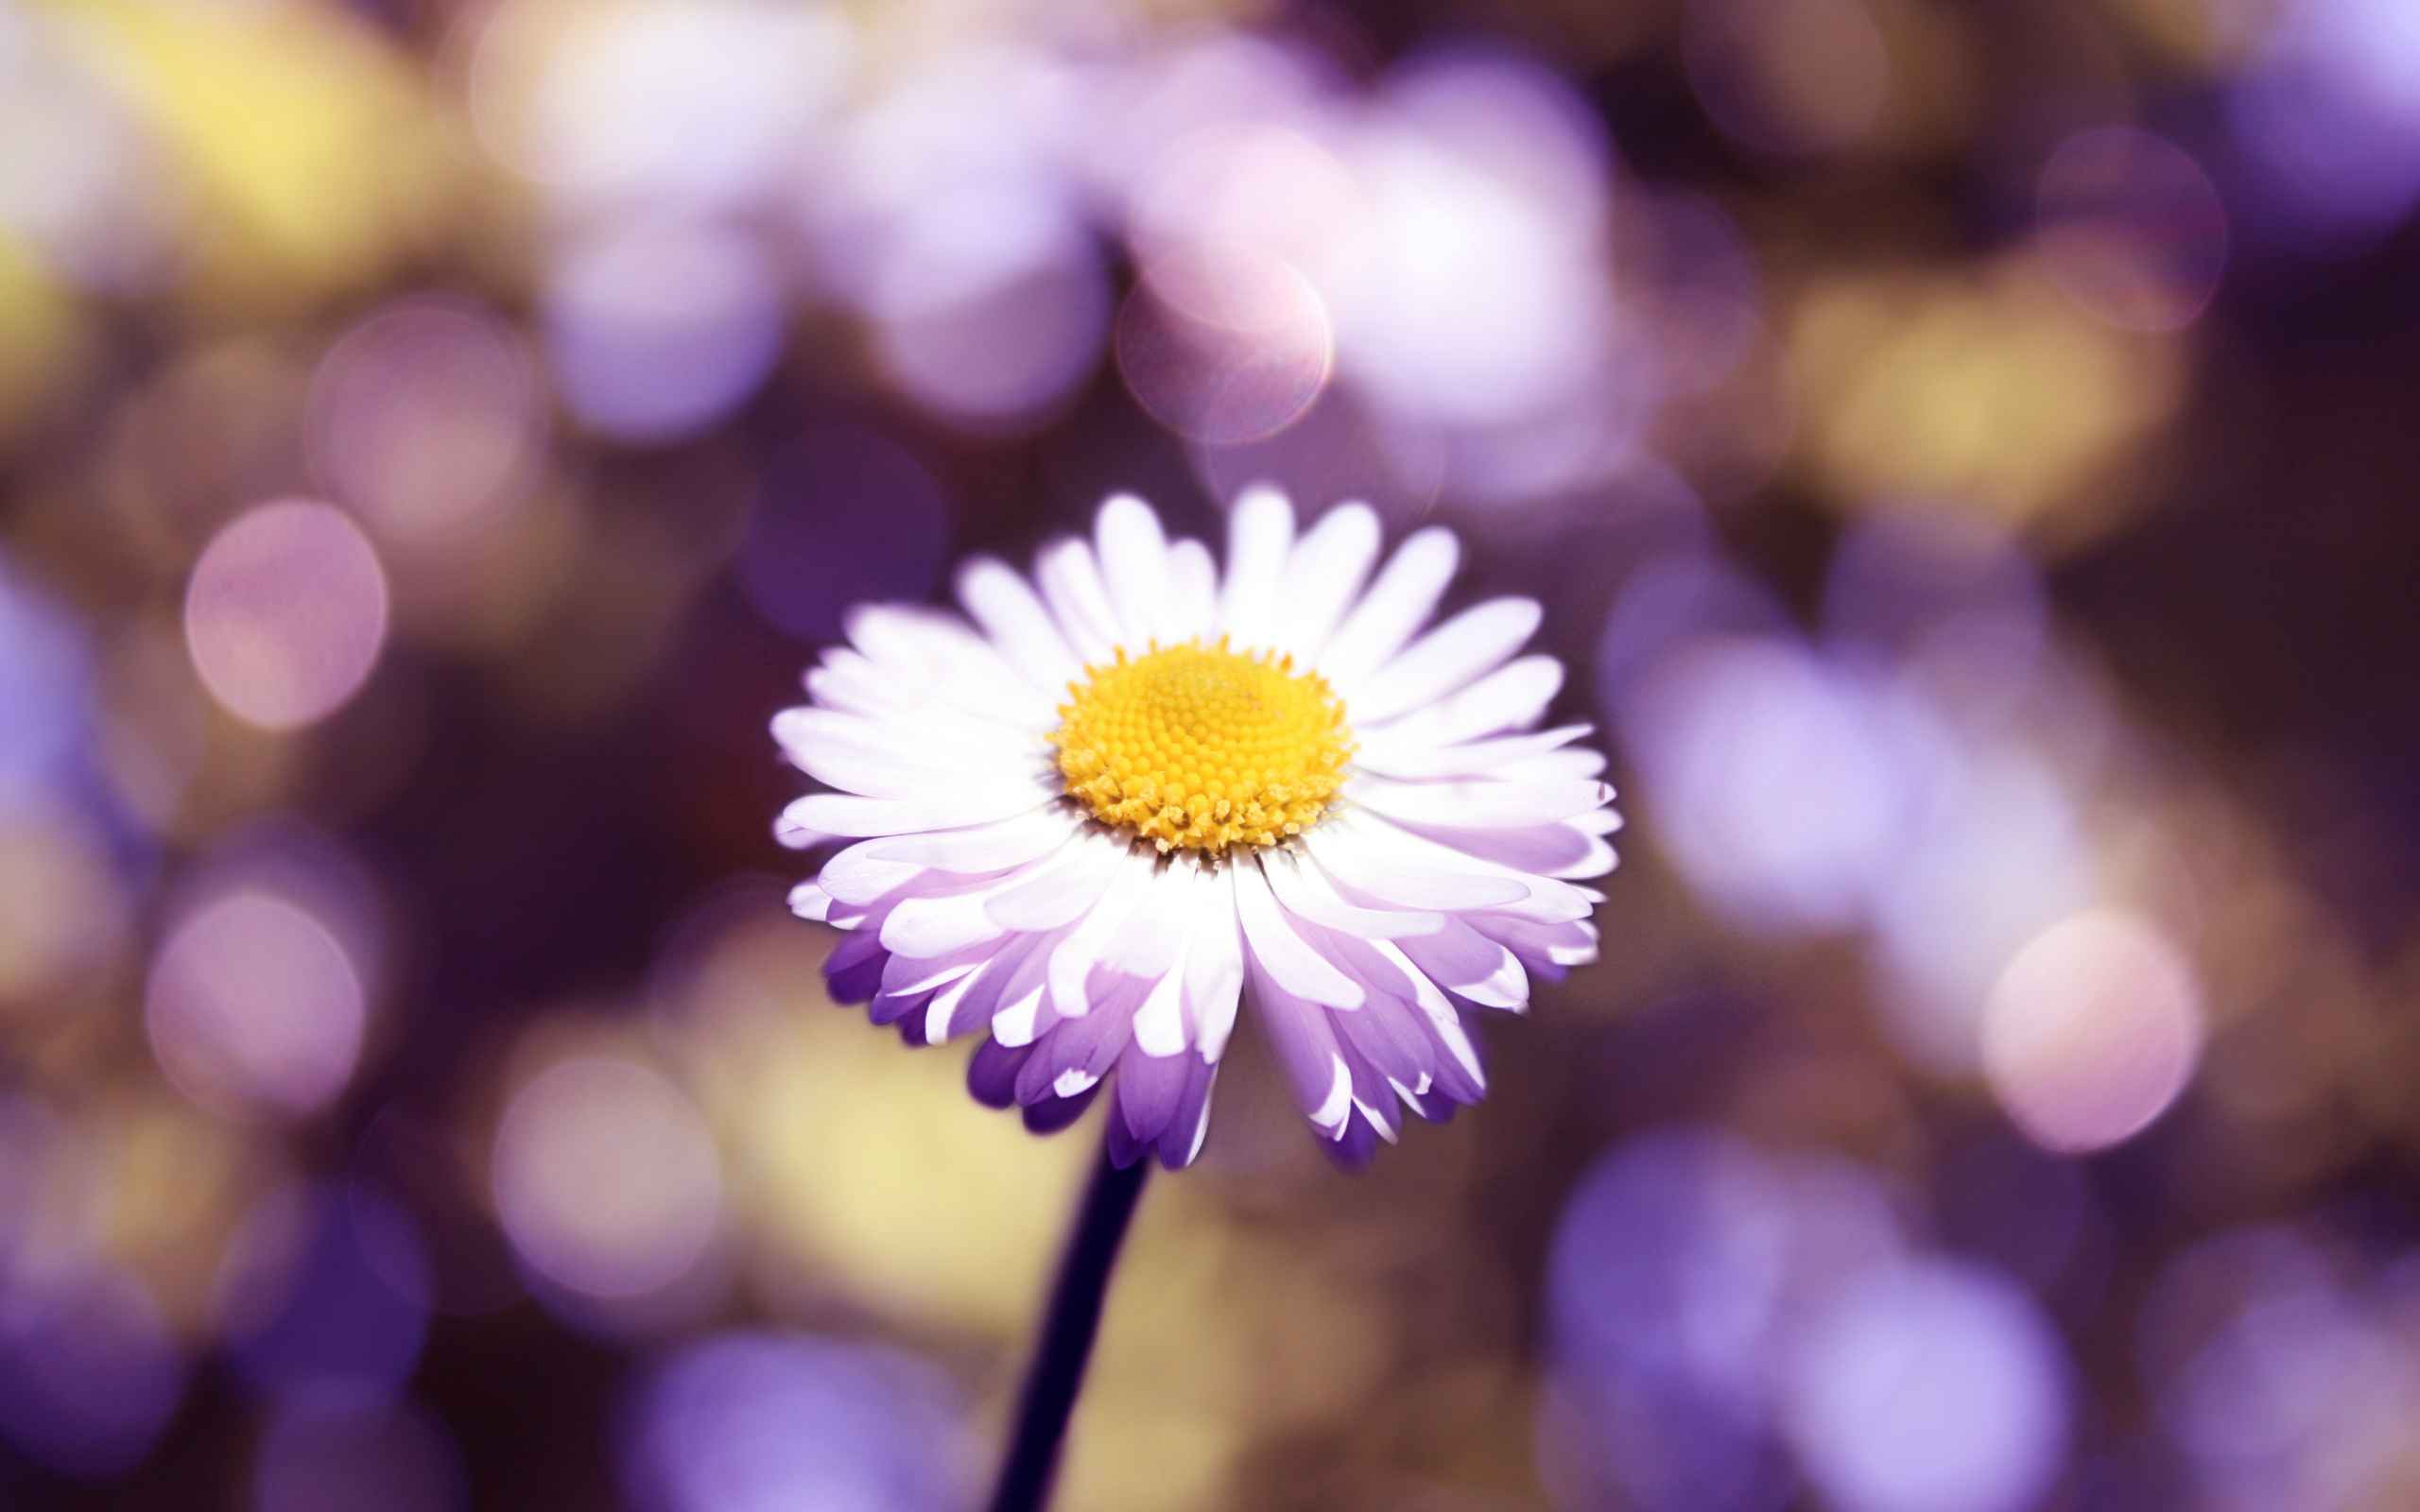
[(1136, 790)]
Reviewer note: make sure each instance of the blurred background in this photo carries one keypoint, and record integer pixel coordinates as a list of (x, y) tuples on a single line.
[(1970, 455)]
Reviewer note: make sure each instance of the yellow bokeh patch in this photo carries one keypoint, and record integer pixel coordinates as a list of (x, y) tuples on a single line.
[(1983, 387)]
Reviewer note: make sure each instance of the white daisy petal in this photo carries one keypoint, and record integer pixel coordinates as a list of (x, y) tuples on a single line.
[(851, 768), (791, 829), (1481, 803), (1013, 1024), (1413, 762), (1214, 966), (1078, 600), (1371, 841), (1276, 949), (1009, 842), (974, 999), (1365, 959), (924, 642), (1390, 1036), (1512, 696), (1466, 962), (1561, 850), (940, 923), (1554, 766), (1359, 858), (1154, 935), (1134, 560), (1300, 1032), (1600, 858), (1158, 1024), (1059, 893), (1022, 997), (1019, 625), (946, 1016), (856, 949), (1087, 1046), (978, 747), (1260, 531), (1150, 1092), (1330, 1114), (845, 814), (935, 656), (855, 876), (909, 974), (1072, 962), (849, 915), (1397, 604), (1476, 641), (847, 680), (1193, 589), (1324, 575), (1572, 943), (1202, 1120), (1307, 893), (1372, 1097), (1444, 1022), (809, 900)]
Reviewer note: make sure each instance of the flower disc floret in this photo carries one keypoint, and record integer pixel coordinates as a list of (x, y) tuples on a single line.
[(1202, 748)]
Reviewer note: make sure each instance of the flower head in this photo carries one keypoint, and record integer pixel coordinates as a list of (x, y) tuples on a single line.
[(1096, 817)]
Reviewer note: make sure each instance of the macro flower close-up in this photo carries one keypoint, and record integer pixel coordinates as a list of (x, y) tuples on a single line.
[(1088, 822), (822, 756)]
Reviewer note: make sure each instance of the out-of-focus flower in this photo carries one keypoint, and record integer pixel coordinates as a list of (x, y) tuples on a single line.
[(1265, 779)]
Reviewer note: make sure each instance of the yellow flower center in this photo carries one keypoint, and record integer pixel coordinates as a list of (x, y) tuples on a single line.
[(1201, 747)]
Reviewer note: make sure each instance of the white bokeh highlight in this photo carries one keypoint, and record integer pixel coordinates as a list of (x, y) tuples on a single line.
[(255, 1008), (2092, 1030), (285, 614), (606, 1179), (1928, 1386)]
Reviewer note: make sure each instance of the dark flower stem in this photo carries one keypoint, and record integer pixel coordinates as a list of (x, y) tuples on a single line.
[(1067, 1336)]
